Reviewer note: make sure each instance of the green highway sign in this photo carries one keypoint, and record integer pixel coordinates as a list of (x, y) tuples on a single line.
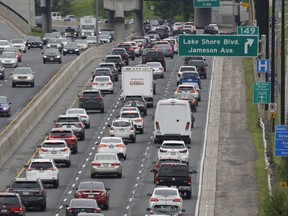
[(218, 45), (247, 30), (262, 92), (206, 3)]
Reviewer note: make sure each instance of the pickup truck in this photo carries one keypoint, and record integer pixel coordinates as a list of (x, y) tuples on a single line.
[(178, 175)]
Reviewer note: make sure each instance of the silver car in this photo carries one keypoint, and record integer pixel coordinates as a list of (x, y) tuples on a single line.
[(123, 128), (106, 164), (82, 113), (20, 44), (112, 145), (9, 59), (135, 117), (23, 76)]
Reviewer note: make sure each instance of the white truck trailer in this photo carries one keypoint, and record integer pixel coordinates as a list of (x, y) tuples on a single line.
[(87, 26)]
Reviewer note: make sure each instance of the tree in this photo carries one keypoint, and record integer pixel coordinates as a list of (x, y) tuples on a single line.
[(100, 8)]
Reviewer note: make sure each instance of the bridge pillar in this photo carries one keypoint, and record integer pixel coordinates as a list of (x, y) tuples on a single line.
[(202, 17), (46, 7), (119, 21), (138, 19), (110, 16)]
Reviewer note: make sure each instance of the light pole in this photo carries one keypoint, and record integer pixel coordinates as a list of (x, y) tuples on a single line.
[(282, 109), (97, 30)]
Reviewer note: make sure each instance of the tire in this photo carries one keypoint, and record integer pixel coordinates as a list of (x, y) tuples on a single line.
[(133, 140), (28, 47), (199, 99), (192, 126), (142, 131), (106, 206), (56, 183), (188, 195), (68, 164), (133, 58), (75, 151), (92, 175), (32, 85), (205, 76), (64, 54), (119, 175), (102, 110), (24, 51), (44, 61), (172, 57), (88, 126), (188, 141), (13, 85), (82, 137), (43, 206), (112, 92), (60, 61), (124, 157), (78, 54)]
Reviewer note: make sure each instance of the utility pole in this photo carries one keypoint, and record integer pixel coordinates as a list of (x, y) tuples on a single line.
[(97, 23), (273, 57), (282, 108)]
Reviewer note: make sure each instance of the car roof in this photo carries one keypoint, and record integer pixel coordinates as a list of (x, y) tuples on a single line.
[(68, 115), (173, 141)]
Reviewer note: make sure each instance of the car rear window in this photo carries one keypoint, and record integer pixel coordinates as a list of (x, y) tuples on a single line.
[(173, 170), (196, 63), (68, 119), (154, 54), (113, 59), (189, 75), (9, 200), (91, 185), (172, 146), (121, 124), (126, 46), (25, 184), (61, 133), (53, 145), (90, 94), (41, 165), (129, 115)]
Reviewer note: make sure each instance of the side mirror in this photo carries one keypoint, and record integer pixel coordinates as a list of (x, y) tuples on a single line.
[(206, 64), (193, 172), (148, 209), (39, 146), (152, 170), (79, 95), (7, 186), (154, 162), (117, 116), (9, 103), (33, 72), (42, 52), (12, 72), (108, 189), (92, 72), (149, 194), (54, 121)]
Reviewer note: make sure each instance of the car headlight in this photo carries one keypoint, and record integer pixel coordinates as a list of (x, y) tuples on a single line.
[(58, 56), (29, 77), (44, 56), (48, 45), (64, 49), (92, 33), (82, 33), (76, 50), (5, 108)]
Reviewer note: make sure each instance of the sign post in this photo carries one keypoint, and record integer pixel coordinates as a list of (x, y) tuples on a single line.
[(218, 45), (281, 141)]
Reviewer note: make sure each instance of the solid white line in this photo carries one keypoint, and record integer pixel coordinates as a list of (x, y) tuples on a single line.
[(205, 142)]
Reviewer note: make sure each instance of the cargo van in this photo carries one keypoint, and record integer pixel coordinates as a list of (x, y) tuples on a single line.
[(173, 120), (56, 16)]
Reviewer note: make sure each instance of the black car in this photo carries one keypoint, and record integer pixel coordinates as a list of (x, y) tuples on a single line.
[(129, 49), (91, 100), (210, 30), (52, 55), (154, 56), (201, 67), (113, 68), (122, 52), (162, 32), (71, 32), (11, 204), (82, 205), (34, 42), (71, 48), (32, 192), (117, 59), (2, 72)]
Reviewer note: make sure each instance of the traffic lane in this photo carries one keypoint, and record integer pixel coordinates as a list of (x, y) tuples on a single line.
[(121, 189), (21, 95), (7, 32), (140, 203)]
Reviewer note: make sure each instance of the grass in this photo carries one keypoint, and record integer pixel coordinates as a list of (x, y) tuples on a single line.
[(148, 13), (81, 8), (256, 133), (35, 31)]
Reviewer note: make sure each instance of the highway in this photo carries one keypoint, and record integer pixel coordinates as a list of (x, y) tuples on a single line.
[(128, 195)]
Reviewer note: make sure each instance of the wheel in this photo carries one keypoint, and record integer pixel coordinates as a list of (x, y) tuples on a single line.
[(28, 47), (41, 47), (141, 130), (60, 61), (32, 84), (154, 92), (119, 175), (92, 175), (88, 126), (75, 151), (133, 58), (127, 63), (192, 125), (56, 183), (82, 137), (24, 51), (102, 110), (188, 195), (188, 141), (199, 99), (20, 60), (43, 206), (44, 61), (133, 140), (78, 54), (68, 164), (64, 54), (112, 92), (13, 84), (205, 76), (106, 206), (124, 157), (172, 57)]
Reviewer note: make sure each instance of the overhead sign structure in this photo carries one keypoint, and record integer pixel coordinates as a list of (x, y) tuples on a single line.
[(261, 92), (218, 45), (206, 3), (263, 65), (281, 141), (247, 30)]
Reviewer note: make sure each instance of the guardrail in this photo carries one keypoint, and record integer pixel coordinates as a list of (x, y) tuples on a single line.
[(14, 17)]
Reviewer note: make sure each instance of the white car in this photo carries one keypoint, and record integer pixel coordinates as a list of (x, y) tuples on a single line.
[(215, 27), (158, 69), (9, 59), (103, 83), (82, 44), (173, 42), (167, 194), (175, 145), (44, 169), (165, 208), (189, 89), (91, 39), (112, 145), (183, 69), (123, 128), (82, 113), (4, 44), (57, 150), (197, 88), (20, 44), (135, 117)]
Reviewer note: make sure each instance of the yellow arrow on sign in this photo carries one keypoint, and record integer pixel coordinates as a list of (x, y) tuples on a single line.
[(245, 4), (272, 115)]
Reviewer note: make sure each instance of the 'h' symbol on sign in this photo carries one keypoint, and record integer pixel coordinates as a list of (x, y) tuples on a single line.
[(263, 65)]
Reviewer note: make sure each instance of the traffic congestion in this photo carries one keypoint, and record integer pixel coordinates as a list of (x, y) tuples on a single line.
[(128, 142)]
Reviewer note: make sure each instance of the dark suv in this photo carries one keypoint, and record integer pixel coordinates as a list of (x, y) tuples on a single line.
[(122, 52), (176, 174), (112, 67), (32, 192), (117, 59), (71, 32), (201, 67), (91, 100), (128, 47), (35, 42), (103, 72), (11, 204), (162, 32), (154, 56)]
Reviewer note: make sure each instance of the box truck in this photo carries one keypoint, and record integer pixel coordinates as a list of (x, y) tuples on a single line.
[(138, 81), (87, 26)]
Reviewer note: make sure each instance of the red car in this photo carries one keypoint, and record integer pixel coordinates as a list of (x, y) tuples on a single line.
[(67, 135), (94, 190)]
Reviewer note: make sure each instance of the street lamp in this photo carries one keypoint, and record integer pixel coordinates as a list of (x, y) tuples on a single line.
[(97, 23)]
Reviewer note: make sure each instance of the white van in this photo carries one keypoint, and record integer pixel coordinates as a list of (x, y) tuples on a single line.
[(173, 120), (56, 16)]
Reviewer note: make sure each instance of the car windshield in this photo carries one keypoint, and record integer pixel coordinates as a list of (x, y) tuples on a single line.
[(71, 45), (81, 41), (121, 124), (172, 146), (113, 59), (50, 35), (41, 165), (164, 192), (51, 52), (12, 49), (118, 51), (8, 200), (17, 41), (87, 27), (94, 38), (104, 36), (154, 64), (196, 63), (83, 203), (8, 55), (130, 115), (22, 71), (111, 140), (53, 145), (190, 75), (4, 43), (61, 133), (106, 157), (91, 186), (165, 209), (25, 184), (3, 100)]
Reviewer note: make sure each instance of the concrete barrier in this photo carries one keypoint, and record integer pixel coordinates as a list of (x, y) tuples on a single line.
[(23, 124), (16, 19)]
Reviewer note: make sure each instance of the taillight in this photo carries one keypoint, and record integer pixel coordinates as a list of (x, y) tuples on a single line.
[(111, 128), (177, 200), (41, 191), (43, 150), (64, 150), (130, 49), (82, 99), (132, 128), (82, 116), (157, 180), (139, 120), (53, 169), (97, 210), (77, 195), (69, 210), (187, 126), (189, 181), (71, 138), (102, 146), (157, 125), (99, 98), (94, 83), (16, 209), (115, 164), (80, 125), (183, 151), (96, 164), (170, 50), (154, 199), (30, 169), (56, 125), (109, 83), (161, 150), (120, 145)]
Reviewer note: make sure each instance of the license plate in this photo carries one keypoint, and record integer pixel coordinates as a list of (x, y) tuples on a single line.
[(70, 51), (4, 210), (53, 152), (51, 58), (121, 129), (90, 196), (111, 146), (25, 193), (189, 79), (41, 171), (105, 165), (102, 84)]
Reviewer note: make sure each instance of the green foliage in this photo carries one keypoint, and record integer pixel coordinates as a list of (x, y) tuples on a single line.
[(81, 8), (35, 31), (277, 204)]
